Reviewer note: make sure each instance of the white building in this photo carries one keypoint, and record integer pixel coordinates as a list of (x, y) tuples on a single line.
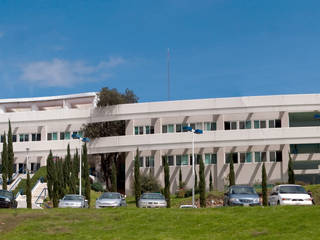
[(248, 129)]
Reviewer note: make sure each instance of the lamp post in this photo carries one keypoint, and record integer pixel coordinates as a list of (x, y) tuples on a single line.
[(193, 131), (81, 139)]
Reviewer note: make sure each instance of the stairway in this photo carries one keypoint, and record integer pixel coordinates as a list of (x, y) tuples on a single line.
[(38, 193)]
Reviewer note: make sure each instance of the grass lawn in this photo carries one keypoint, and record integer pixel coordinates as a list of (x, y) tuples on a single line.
[(287, 222)]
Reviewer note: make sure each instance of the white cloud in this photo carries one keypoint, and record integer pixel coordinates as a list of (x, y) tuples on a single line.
[(62, 73)]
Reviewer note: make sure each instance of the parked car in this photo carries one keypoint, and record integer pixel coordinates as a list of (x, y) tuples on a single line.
[(111, 199), (241, 196), (73, 201), (289, 194), (7, 199), (188, 206), (152, 200)]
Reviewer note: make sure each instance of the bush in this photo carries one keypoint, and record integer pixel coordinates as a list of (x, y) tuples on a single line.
[(149, 183), (97, 187), (180, 193), (188, 193)]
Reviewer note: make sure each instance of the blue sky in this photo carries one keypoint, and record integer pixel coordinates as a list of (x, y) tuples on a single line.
[(218, 48)]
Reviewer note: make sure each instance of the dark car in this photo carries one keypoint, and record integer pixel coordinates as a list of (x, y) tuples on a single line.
[(7, 199), (241, 196)]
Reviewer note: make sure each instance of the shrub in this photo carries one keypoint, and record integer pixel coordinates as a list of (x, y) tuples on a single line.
[(180, 193), (149, 183), (97, 187)]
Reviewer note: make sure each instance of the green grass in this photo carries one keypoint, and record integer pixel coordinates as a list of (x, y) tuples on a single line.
[(132, 223)]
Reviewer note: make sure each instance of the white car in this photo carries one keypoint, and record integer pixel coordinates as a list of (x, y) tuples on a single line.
[(289, 194)]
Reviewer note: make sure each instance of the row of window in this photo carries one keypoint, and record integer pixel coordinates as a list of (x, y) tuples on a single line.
[(211, 158), (210, 126), (233, 125), (25, 137)]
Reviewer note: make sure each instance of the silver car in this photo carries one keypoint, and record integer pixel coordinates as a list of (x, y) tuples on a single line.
[(152, 200), (111, 199), (73, 201), (241, 196)]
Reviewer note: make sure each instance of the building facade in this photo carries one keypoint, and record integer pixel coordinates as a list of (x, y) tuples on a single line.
[(250, 130)]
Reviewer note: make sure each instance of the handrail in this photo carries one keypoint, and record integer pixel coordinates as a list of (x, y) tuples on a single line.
[(18, 193), (36, 185), (45, 194), (15, 183)]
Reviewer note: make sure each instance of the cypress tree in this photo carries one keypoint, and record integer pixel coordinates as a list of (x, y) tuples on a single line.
[(50, 174), (137, 181), (264, 186), (202, 184), (60, 180), (75, 171), (114, 177), (4, 157), (86, 177), (195, 181), (55, 192), (167, 182), (10, 153), (28, 191), (67, 170), (231, 172), (291, 176), (180, 179), (210, 182)]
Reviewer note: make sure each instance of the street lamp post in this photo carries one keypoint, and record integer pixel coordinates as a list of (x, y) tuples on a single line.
[(193, 131), (81, 139)]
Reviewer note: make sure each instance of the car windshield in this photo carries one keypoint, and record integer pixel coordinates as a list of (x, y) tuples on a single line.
[(110, 195), (73, 198), (152, 196), (292, 189), (6, 194), (242, 190)]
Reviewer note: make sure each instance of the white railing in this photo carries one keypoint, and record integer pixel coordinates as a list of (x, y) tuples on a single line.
[(15, 183), (44, 193)]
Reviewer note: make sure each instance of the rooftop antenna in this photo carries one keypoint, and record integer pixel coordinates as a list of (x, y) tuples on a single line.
[(168, 60)]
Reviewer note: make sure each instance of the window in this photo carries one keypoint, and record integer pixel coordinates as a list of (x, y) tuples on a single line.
[(210, 158), (197, 158), (196, 125), (52, 136), (184, 126), (210, 126), (168, 128), (178, 128), (2, 138), (14, 138), (150, 161), (230, 125), (61, 135), (234, 157), (245, 124), (246, 157), (169, 158), (36, 137), (182, 160), (138, 130), (149, 129), (275, 123), (64, 135), (24, 137), (276, 156), (260, 124), (260, 156), (141, 161)]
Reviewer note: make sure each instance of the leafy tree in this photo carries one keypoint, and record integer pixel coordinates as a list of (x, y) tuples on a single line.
[(4, 157), (232, 180), (210, 182), (86, 177), (149, 183), (167, 182), (291, 171), (50, 174), (137, 182), (180, 179), (202, 184), (264, 186), (109, 97), (114, 177), (10, 153), (28, 192)]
